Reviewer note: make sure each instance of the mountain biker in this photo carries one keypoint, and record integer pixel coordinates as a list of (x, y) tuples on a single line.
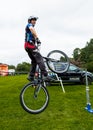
[(31, 39)]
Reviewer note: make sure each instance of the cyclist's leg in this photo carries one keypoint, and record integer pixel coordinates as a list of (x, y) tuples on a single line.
[(33, 64), (33, 67), (40, 62)]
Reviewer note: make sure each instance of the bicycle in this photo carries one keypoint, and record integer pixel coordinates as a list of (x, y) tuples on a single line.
[(34, 96)]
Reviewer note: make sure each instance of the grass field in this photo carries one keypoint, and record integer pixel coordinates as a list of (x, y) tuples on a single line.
[(64, 112)]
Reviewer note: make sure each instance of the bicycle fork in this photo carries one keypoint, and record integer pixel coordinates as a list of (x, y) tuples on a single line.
[(37, 90)]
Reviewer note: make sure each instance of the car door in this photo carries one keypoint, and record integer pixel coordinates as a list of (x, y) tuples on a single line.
[(73, 73)]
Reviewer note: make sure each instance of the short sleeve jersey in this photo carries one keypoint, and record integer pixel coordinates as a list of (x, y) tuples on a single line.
[(28, 35)]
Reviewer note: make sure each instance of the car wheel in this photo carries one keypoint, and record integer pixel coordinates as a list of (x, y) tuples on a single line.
[(84, 80)]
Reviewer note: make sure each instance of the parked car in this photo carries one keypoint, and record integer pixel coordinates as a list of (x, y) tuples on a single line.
[(75, 75)]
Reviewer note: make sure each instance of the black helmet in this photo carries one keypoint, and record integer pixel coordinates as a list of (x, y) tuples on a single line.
[(32, 18)]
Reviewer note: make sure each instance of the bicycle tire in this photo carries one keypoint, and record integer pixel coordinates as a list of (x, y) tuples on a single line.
[(62, 60), (30, 109)]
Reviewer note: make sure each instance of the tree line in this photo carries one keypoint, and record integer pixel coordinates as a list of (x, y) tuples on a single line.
[(82, 57), (23, 67)]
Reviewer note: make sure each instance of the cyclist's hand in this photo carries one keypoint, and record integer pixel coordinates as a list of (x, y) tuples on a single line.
[(38, 41), (39, 46)]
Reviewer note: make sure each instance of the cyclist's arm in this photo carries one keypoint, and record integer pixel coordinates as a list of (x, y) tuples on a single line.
[(33, 32)]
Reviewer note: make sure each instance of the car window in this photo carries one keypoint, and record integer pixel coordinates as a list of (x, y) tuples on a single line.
[(72, 68)]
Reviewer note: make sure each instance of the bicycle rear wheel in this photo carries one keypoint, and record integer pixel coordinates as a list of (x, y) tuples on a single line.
[(58, 61), (34, 98)]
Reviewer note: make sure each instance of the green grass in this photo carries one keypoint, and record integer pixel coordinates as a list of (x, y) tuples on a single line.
[(64, 112)]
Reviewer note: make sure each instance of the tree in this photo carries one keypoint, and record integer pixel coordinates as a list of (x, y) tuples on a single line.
[(23, 67), (76, 57), (86, 55), (89, 66), (11, 67), (87, 52), (76, 54)]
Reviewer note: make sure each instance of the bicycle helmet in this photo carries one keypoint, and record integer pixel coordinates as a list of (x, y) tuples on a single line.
[(32, 18)]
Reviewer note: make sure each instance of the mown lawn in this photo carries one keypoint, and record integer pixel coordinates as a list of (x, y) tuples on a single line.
[(64, 112)]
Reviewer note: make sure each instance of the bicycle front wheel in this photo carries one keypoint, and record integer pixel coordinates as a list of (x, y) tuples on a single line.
[(34, 98), (58, 61)]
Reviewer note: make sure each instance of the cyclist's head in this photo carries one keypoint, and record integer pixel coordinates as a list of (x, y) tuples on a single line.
[(32, 19)]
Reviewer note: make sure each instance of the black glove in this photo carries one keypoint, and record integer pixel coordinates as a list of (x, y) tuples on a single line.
[(38, 41)]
